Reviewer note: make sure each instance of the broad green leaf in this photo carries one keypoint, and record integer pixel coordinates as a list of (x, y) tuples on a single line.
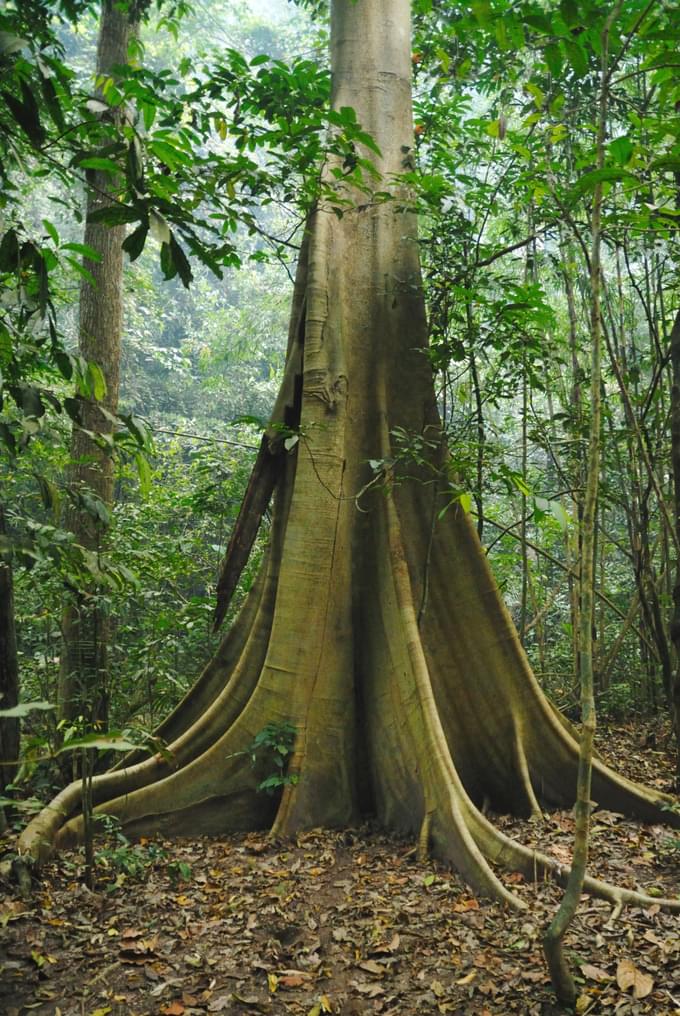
[(143, 472), (52, 230), (180, 262), (465, 501), (569, 12), (25, 708), (559, 514), (589, 181), (576, 56), (115, 214), (158, 227), (621, 150), (101, 742), (82, 270), (11, 43), (133, 244), (554, 58), (99, 163), (96, 381), (521, 485), (84, 249)]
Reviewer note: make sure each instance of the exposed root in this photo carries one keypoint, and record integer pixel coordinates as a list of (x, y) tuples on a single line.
[(523, 772), (255, 502), (533, 864), (423, 849)]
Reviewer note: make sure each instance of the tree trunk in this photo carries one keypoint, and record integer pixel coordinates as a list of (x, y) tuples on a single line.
[(414, 716), (553, 941), (9, 671), (675, 457), (83, 672)]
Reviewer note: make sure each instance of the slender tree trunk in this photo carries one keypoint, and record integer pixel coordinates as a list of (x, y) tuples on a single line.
[(675, 458), (9, 670), (573, 536), (83, 672), (560, 975)]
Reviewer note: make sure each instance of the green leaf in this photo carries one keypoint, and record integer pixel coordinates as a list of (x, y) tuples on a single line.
[(52, 230), (143, 472), (18, 712), (668, 163), (28, 399), (26, 114), (521, 485), (608, 174), (576, 56), (559, 514), (49, 493), (82, 270), (64, 363), (621, 150), (9, 252), (133, 244), (11, 43), (569, 12), (100, 742), (181, 263), (465, 501), (96, 381), (74, 409), (553, 58), (99, 163), (84, 249), (159, 228), (168, 266), (114, 215)]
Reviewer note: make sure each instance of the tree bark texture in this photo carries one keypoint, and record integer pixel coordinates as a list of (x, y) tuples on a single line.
[(416, 716), (85, 629)]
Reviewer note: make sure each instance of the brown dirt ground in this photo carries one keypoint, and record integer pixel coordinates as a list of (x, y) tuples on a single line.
[(340, 922)]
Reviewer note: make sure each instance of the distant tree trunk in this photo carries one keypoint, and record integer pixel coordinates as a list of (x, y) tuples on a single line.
[(553, 941), (675, 456), (9, 672), (83, 673)]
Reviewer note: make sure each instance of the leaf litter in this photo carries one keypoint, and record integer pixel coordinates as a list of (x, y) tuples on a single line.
[(344, 922)]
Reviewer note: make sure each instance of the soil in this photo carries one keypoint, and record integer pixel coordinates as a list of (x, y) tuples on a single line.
[(344, 922)]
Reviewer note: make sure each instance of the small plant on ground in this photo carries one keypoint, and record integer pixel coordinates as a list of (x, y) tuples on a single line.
[(273, 746)]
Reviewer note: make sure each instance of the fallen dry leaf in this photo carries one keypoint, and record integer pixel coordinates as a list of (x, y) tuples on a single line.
[(173, 1009), (373, 968), (594, 973), (628, 976), (468, 978)]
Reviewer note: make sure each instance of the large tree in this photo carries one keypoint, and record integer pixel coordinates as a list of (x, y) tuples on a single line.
[(375, 628)]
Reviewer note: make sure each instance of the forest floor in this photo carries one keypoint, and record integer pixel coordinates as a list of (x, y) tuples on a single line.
[(340, 922)]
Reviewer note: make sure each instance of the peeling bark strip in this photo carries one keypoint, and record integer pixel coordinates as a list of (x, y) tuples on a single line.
[(255, 503), (442, 714)]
